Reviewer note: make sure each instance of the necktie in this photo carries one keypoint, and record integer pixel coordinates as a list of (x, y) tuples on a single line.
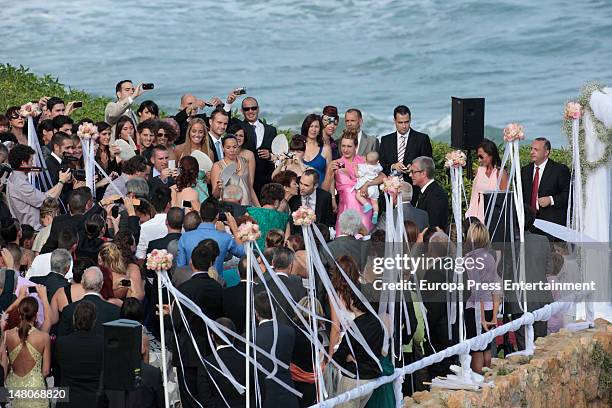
[(218, 149), (401, 150), (534, 188), (308, 201)]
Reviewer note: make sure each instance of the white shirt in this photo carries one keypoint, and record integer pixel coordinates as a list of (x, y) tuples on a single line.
[(313, 200), (263, 321), (156, 173), (399, 142), (41, 266), (153, 229), (359, 137), (259, 132), (541, 166), (426, 185), (59, 159), (217, 142)]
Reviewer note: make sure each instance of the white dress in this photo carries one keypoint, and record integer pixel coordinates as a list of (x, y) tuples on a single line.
[(368, 172)]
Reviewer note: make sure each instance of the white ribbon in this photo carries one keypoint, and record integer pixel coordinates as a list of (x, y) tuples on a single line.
[(88, 160)]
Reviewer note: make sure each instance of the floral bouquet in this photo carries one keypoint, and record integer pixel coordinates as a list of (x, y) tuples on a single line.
[(303, 216), (391, 185), (159, 260), (513, 131), (29, 109), (456, 158), (87, 130), (248, 231), (573, 110)]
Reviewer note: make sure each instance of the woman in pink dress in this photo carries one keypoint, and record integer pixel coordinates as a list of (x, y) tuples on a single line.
[(341, 176), (486, 178)]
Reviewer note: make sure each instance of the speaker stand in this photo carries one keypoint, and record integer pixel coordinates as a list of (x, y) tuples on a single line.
[(469, 164)]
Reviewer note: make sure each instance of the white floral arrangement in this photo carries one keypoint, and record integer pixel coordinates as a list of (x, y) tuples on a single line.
[(87, 130), (159, 260), (248, 231), (513, 131), (391, 185), (29, 109), (573, 110), (455, 159), (303, 216)]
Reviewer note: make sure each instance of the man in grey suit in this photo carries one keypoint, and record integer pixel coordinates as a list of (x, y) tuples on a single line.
[(419, 217), (353, 120), (347, 244), (126, 93)]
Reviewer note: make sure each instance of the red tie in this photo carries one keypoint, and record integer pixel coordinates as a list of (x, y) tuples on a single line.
[(534, 188)]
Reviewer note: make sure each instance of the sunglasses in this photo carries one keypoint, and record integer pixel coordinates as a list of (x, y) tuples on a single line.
[(15, 116), (250, 108), (480, 157), (415, 171)]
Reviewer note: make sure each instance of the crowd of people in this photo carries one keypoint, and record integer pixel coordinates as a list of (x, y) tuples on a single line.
[(74, 259)]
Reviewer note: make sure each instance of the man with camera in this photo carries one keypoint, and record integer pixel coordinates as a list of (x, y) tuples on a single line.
[(61, 146), (126, 93), (23, 199)]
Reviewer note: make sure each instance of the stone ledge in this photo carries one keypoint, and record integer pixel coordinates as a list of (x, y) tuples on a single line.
[(565, 371)]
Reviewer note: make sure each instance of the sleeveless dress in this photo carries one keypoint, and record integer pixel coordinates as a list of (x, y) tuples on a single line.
[(319, 164), (33, 379), (241, 180), (345, 185), (481, 184)]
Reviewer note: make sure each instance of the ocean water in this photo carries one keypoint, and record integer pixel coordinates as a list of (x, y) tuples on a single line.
[(525, 57)]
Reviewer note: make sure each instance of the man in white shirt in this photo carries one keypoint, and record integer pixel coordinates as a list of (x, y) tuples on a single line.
[(353, 120), (219, 119), (156, 227)]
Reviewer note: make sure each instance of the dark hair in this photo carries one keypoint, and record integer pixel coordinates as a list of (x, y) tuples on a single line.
[(412, 231), (28, 308), (354, 110), (44, 125), (102, 126), (67, 238), (189, 172), (242, 267), (27, 232), (57, 139), (204, 255), (8, 137), (350, 267), (296, 242), (262, 305), (547, 144), (132, 309), (78, 269), (235, 127), (306, 126), (401, 110), (228, 324), (77, 201), (209, 209), (324, 231), (298, 143), (331, 111), (9, 229), (4, 121), (171, 134), (271, 193), (120, 83), (285, 178), (228, 137), (122, 121), (275, 238), (150, 124), (150, 106), (11, 111), (313, 173), (490, 148), (94, 226), (160, 198), (350, 134), (191, 220), (84, 316), (62, 120), (52, 101), (124, 239), (18, 154), (157, 148), (134, 165), (218, 111), (175, 217)]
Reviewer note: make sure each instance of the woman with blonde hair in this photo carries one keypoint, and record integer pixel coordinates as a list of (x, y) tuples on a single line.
[(197, 139), (116, 274), (48, 211)]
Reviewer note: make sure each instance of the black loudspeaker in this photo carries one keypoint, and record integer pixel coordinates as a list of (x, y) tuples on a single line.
[(467, 124), (122, 358)]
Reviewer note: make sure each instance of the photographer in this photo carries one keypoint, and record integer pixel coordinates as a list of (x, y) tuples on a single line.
[(294, 160), (24, 201)]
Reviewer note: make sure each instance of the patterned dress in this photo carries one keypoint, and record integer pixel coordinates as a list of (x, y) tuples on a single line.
[(33, 379)]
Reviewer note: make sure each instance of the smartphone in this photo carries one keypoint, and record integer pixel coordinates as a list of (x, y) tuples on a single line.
[(172, 164), (148, 86), (115, 211), (222, 217), (32, 289), (125, 283), (240, 91), (77, 104), (186, 204), (118, 201)]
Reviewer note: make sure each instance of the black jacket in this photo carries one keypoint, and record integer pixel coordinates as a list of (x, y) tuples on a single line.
[(284, 312), (52, 281), (235, 363), (263, 168), (323, 208), (435, 202), (555, 182), (105, 312), (418, 144), (234, 305), (150, 394)]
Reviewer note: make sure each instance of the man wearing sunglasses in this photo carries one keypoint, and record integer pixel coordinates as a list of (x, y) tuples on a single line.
[(259, 137)]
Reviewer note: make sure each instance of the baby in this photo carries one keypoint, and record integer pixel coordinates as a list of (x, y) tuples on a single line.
[(368, 172)]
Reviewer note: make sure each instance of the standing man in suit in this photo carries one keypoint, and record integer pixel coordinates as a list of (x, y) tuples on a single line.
[(273, 395), (126, 93), (346, 243), (546, 184), (259, 137), (218, 125), (208, 295), (400, 148), (314, 197), (234, 299), (353, 120), (161, 175), (61, 261), (431, 197), (60, 145)]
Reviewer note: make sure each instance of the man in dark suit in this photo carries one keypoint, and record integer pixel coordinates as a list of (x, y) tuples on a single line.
[(431, 197), (219, 119), (234, 298), (273, 394), (160, 175), (346, 244), (208, 295), (282, 263), (400, 148), (232, 195), (259, 137), (546, 184), (149, 394), (79, 356), (235, 363), (105, 311), (314, 197), (61, 260), (60, 145)]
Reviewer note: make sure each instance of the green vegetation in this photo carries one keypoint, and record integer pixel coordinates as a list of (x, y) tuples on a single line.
[(18, 86), (603, 360)]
